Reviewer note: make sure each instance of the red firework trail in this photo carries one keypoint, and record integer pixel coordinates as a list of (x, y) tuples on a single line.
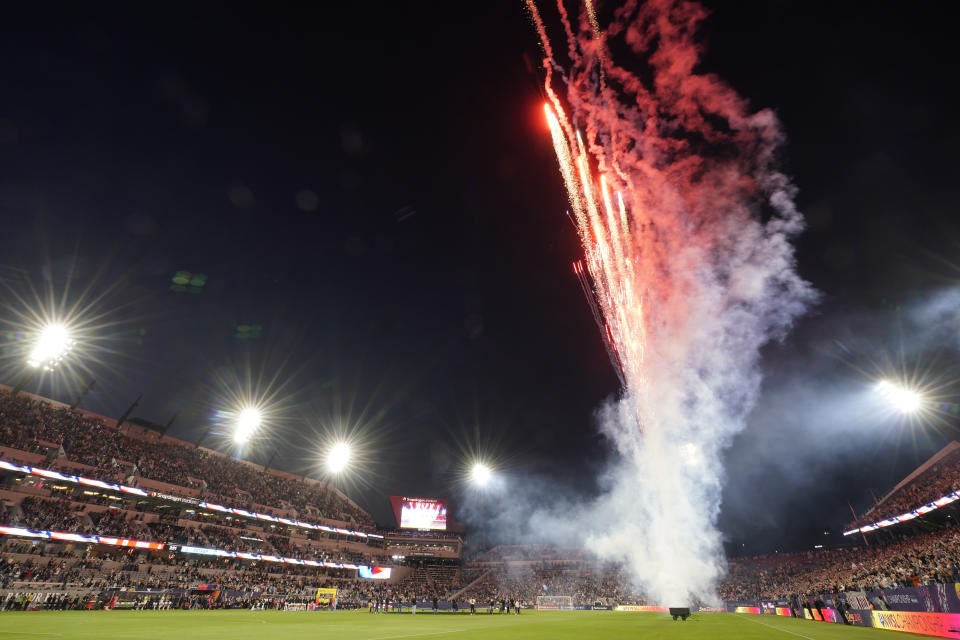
[(592, 303), (669, 166)]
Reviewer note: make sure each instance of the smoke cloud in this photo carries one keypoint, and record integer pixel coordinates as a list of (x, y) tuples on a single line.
[(691, 277)]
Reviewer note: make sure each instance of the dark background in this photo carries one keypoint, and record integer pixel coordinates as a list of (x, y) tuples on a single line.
[(375, 188)]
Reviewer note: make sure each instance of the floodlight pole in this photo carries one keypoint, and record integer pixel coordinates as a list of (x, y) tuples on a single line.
[(266, 467), (169, 422), (484, 518), (24, 381), (202, 438), (129, 410), (83, 394)]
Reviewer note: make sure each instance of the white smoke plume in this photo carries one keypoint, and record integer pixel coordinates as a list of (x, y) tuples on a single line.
[(692, 276)]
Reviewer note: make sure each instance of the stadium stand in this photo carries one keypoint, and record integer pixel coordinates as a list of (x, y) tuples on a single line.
[(935, 478), (72, 573), (172, 480), (930, 558), (526, 571), (86, 444)]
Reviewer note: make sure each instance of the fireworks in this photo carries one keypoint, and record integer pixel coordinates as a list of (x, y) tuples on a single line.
[(670, 178)]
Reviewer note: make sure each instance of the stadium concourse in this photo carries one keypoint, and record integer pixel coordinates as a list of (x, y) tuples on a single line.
[(94, 516)]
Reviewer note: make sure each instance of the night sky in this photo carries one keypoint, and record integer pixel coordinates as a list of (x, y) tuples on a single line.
[(371, 198)]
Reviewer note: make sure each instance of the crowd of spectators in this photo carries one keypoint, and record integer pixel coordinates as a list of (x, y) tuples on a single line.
[(506, 573), (502, 574), (63, 514), (586, 585), (939, 480), (99, 569), (35, 426), (911, 561), (26, 566), (76, 443), (56, 515)]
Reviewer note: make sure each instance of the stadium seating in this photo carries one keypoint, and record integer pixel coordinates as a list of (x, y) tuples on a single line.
[(35, 432), (82, 443), (912, 561), (50, 436), (940, 478)]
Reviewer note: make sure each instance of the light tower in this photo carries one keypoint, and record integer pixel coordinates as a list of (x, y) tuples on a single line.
[(53, 344), (248, 421), (901, 398), (338, 458)]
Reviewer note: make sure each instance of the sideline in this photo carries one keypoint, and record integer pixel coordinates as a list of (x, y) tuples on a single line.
[(770, 626)]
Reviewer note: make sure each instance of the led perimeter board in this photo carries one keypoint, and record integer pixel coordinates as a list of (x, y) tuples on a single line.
[(420, 513)]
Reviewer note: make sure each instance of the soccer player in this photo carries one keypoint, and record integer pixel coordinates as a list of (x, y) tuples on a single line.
[(455, 609), (413, 604), (516, 604), (473, 606), (435, 604)]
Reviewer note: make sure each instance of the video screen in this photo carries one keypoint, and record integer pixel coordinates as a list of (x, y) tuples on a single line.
[(417, 513), (374, 573)]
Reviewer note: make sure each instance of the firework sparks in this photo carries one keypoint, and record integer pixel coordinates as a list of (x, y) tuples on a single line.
[(666, 184)]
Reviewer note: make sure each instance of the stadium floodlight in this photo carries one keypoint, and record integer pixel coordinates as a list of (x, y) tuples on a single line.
[(247, 422), (480, 474), (338, 457), (52, 346), (899, 397)]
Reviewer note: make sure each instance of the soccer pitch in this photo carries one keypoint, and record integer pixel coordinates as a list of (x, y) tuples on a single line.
[(360, 625)]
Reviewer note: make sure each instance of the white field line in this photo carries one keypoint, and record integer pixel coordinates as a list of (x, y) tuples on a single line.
[(770, 626)]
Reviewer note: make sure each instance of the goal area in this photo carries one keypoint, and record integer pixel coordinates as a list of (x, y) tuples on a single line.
[(554, 603)]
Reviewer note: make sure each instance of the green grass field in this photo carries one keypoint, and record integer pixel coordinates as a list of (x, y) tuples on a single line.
[(360, 625)]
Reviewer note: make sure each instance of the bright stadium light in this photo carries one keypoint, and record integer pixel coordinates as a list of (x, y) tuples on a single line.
[(480, 474), (900, 398), (247, 422), (338, 457), (691, 455), (52, 346)]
